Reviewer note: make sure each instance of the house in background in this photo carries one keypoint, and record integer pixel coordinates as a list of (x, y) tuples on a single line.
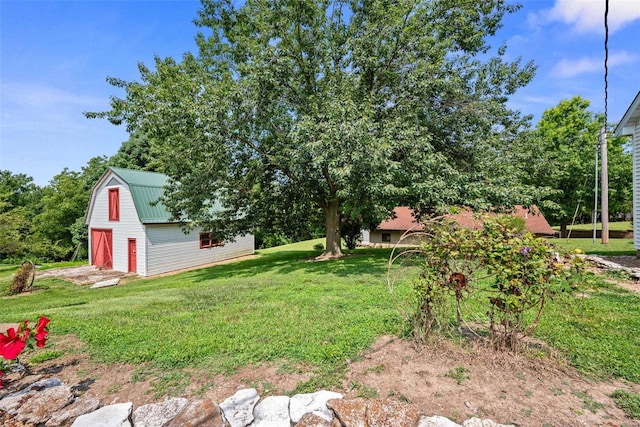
[(130, 232), (629, 125), (391, 230)]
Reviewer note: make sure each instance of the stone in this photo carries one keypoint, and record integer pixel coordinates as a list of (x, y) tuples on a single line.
[(116, 415), (199, 413), (312, 420), (39, 408), (157, 414), (315, 403), (43, 384), (105, 283), (351, 413), (436, 421), (12, 403), (477, 422), (66, 415), (238, 409), (272, 411), (390, 413)]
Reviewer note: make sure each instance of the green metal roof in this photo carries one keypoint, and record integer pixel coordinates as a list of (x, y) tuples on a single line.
[(146, 189)]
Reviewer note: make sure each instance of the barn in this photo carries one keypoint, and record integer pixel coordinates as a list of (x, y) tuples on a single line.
[(629, 125), (130, 232)]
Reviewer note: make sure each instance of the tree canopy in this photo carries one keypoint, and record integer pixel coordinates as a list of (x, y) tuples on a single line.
[(294, 111), (562, 158)]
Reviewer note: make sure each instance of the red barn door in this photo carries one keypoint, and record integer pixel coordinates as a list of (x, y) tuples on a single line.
[(101, 248), (132, 255)]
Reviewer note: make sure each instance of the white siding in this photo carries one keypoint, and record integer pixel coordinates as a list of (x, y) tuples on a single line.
[(128, 227), (375, 238), (169, 249), (636, 186)]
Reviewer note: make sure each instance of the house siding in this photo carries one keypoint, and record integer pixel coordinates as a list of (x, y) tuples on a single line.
[(636, 185), (128, 227), (170, 249), (375, 238)]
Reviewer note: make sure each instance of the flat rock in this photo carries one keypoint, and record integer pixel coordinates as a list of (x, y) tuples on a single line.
[(312, 420), (238, 409), (106, 283), (351, 413), (39, 408), (272, 411), (66, 415), (108, 416), (477, 422), (199, 413), (390, 413), (11, 403), (157, 414), (315, 403), (436, 421)]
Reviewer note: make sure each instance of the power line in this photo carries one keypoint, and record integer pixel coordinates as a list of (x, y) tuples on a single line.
[(606, 61)]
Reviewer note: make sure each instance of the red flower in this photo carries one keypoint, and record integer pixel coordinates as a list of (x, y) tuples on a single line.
[(12, 344), (41, 331)]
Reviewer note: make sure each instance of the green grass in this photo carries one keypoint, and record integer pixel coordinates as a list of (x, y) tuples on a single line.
[(599, 333), (616, 247), (629, 402), (278, 306), (282, 307), (613, 226)]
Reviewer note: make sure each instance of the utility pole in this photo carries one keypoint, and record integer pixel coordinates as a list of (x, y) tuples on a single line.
[(595, 199), (604, 203)]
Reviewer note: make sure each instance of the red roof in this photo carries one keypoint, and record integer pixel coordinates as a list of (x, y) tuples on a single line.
[(404, 219)]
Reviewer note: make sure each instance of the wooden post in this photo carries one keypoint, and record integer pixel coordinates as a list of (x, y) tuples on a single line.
[(604, 190)]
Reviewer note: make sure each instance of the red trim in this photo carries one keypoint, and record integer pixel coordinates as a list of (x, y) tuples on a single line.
[(131, 246), (207, 240), (114, 204)]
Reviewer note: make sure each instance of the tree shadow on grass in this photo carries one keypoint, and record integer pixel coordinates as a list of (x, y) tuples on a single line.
[(358, 262)]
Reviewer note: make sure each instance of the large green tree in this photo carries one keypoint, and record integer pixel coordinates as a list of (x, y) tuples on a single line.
[(19, 203), (331, 109), (562, 158)]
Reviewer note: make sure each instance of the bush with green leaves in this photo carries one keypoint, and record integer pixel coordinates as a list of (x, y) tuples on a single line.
[(493, 278)]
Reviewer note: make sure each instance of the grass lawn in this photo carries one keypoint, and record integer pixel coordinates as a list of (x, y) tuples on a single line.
[(616, 247), (283, 308), (613, 226)]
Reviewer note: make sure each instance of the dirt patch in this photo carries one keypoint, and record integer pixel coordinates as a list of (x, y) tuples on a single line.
[(442, 378), (82, 275), (90, 274)]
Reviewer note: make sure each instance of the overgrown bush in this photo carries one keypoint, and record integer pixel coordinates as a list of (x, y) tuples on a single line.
[(23, 278), (495, 278)]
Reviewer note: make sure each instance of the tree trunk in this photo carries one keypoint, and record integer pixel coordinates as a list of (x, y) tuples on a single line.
[(332, 227), (563, 229)]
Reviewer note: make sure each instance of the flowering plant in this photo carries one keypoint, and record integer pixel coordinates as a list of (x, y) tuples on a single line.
[(15, 340)]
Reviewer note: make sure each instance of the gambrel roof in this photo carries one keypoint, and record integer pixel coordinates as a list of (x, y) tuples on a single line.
[(146, 189)]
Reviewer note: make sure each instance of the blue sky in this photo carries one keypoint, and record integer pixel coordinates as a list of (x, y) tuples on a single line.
[(55, 56)]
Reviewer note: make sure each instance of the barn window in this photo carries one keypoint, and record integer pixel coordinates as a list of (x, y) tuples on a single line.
[(208, 241), (114, 204), (386, 237)]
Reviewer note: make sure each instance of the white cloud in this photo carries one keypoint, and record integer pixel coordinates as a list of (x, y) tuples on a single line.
[(588, 15), (36, 95), (574, 67)]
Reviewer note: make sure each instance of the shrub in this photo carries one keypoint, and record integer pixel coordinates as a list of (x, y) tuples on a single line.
[(23, 278), (499, 271)]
